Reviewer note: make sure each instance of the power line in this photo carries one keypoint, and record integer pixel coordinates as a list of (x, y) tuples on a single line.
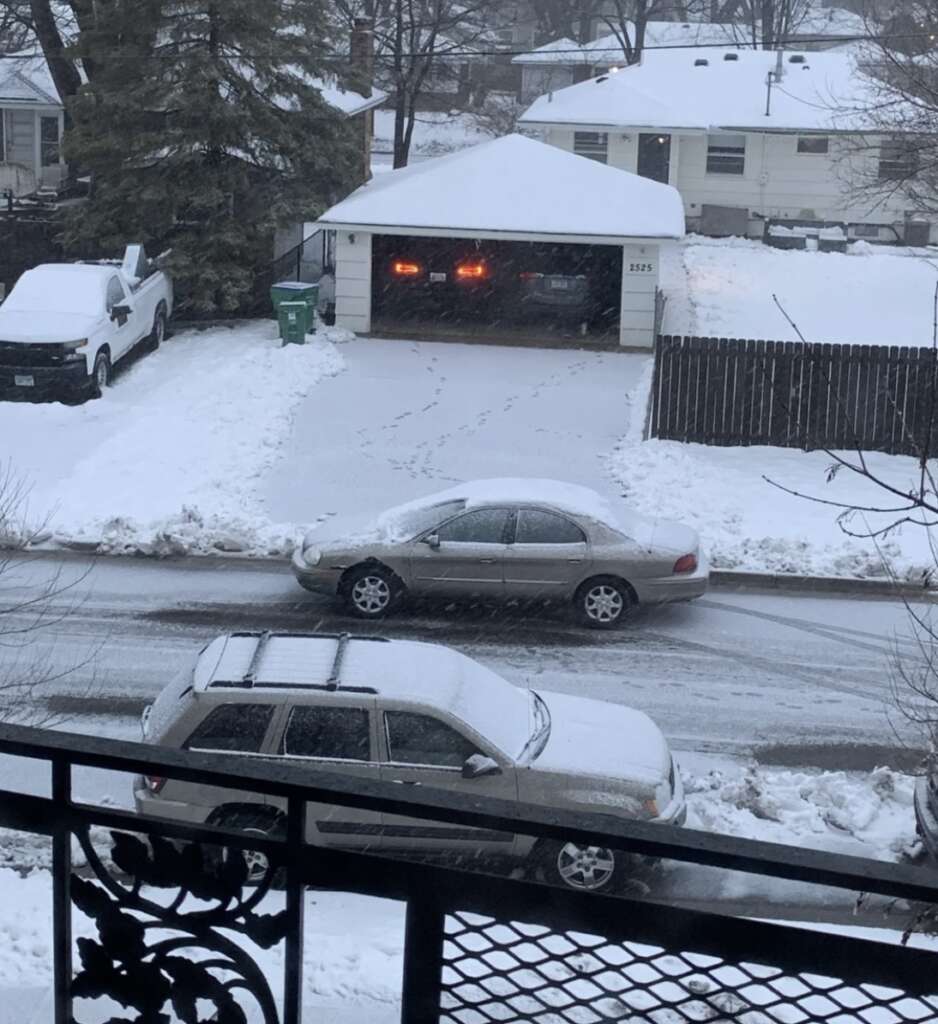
[(586, 50)]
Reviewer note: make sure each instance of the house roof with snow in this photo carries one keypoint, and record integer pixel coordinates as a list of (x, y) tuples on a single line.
[(705, 89), (25, 80), (608, 50), (348, 102), (512, 187)]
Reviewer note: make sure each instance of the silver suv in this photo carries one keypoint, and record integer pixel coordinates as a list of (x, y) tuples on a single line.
[(417, 714)]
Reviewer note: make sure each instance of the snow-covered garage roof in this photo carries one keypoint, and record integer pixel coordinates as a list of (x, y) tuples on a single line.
[(26, 79), (708, 88), (512, 187)]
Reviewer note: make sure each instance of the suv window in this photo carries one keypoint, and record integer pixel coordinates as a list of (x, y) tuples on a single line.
[(115, 293), (484, 526), (340, 734), (420, 739), (237, 727), (538, 527)]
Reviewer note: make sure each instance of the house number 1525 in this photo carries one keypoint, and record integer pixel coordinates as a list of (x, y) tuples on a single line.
[(641, 268)]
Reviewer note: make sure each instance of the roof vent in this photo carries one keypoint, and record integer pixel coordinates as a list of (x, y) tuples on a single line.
[(731, 56), (797, 58), (701, 62)]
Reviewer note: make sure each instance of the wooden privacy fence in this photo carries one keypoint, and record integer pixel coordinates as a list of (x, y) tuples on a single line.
[(730, 391)]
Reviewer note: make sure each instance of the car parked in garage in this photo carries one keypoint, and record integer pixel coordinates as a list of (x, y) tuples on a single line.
[(65, 325), (530, 540), (416, 714)]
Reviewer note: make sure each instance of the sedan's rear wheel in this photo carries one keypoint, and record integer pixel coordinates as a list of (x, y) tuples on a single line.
[(372, 591), (604, 602)]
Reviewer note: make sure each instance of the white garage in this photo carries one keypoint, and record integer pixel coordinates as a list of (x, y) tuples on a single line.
[(511, 230)]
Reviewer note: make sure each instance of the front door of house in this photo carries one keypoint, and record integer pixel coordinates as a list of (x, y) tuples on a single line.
[(654, 157)]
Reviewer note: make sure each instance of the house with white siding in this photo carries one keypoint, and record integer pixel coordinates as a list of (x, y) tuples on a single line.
[(746, 136), (31, 124)]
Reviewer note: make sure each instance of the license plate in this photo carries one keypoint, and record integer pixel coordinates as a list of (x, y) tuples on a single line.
[(559, 283), (24, 380), (437, 278)]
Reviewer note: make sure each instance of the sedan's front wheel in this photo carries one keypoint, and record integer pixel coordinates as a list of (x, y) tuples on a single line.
[(372, 591), (603, 603), (584, 868)]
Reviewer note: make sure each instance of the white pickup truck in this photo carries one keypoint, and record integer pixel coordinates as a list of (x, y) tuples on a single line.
[(65, 325)]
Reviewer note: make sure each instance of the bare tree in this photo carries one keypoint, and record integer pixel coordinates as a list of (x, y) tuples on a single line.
[(33, 602), (418, 48)]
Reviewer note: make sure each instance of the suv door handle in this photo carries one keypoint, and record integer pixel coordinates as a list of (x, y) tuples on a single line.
[(406, 782), (487, 561)]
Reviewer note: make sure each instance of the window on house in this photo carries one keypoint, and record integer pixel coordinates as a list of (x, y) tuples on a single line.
[(726, 154), (594, 145), (898, 159), (50, 150), (813, 144)]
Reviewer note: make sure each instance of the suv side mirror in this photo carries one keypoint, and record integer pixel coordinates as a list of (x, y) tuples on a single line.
[(477, 765), (120, 313), (432, 541)]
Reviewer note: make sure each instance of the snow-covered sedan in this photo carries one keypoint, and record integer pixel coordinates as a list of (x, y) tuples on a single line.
[(529, 540), (416, 714)]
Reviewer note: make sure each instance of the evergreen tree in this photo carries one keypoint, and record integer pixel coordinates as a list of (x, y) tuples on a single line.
[(203, 129)]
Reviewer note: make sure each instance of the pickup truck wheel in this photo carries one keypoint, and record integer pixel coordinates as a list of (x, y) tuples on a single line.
[(101, 375), (159, 330)]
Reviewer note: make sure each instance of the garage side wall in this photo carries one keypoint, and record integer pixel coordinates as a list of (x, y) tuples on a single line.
[(639, 282), (353, 281)]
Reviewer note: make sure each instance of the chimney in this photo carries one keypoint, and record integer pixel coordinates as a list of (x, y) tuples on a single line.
[(779, 66), (362, 55), (362, 80)]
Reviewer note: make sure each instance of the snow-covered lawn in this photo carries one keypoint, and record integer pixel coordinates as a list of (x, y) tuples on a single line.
[(171, 459), (871, 295)]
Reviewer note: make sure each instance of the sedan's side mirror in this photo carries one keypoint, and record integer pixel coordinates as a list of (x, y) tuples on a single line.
[(477, 765), (432, 541), (120, 313)]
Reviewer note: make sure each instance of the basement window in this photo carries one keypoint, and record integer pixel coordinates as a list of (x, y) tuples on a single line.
[(592, 145), (813, 144), (726, 154)]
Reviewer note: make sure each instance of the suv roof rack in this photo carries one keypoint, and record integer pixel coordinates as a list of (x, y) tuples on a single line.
[(333, 683)]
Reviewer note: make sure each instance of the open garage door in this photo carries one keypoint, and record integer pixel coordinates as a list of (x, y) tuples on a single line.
[(468, 287)]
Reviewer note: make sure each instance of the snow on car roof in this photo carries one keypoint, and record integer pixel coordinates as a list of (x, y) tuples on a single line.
[(565, 497), (400, 670)]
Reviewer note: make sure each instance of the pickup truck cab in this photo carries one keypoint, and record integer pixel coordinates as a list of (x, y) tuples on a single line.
[(65, 325)]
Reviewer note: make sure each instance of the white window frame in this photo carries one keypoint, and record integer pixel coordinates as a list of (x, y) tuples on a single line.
[(721, 148)]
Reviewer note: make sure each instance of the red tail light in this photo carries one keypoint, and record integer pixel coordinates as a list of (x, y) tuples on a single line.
[(477, 271), (686, 563), (404, 268), (154, 783)]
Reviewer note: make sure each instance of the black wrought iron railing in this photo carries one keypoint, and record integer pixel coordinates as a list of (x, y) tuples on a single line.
[(175, 922)]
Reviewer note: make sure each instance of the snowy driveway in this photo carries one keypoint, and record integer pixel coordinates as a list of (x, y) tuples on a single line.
[(410, 418)]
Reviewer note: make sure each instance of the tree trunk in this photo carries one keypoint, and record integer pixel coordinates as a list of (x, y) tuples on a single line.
[(62, 68)]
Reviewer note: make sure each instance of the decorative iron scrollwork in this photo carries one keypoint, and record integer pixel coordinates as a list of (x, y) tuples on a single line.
[(152, 956)]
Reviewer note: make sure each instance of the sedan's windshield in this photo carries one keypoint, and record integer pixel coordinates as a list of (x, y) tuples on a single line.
[(540, 731), (410, 521)]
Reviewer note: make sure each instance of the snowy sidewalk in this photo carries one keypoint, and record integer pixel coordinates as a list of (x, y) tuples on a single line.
[(410, 418)]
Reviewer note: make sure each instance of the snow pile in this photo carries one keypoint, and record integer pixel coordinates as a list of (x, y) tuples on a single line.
[(870, 295), (865, 815), (747, 523), (171, 460)]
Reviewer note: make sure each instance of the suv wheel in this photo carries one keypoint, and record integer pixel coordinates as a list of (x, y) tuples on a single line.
[(258, 823), (603, 603), (371, 591), (584, 868)]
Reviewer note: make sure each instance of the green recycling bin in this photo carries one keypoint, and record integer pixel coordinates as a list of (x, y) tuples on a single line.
[(295, 322), (295, 291)]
